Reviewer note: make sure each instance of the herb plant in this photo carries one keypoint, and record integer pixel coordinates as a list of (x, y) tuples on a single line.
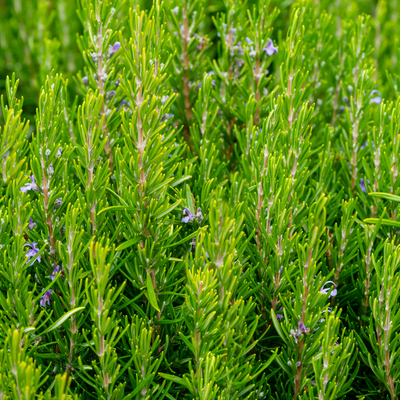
[(199, 199)]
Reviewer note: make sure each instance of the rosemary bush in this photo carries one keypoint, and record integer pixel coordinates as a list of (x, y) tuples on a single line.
[(199, 199)]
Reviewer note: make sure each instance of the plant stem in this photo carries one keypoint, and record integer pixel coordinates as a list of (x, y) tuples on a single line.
[(48, 216), (186, 88), (100, 72)]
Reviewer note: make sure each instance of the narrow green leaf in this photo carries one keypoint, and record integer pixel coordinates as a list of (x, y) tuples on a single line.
[(174, 378), (61, 320), (387, 222), (387, 196), (152, 294), (127, 244)]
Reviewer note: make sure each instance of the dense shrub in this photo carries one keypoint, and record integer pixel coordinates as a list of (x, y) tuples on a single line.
[(205, 203)]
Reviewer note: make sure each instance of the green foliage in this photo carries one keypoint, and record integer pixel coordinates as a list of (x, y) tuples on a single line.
[(199, 199)]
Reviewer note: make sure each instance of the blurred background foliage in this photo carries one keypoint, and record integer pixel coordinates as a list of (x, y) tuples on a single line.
[(37, 36)]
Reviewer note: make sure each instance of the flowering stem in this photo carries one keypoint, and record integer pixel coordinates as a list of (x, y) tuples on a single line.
[(196, 333), (274, 302), (230, 69), (289, 94), (100, 73), (49, 220), (186, 89), (367, 280), (377, 164), (303, 318), (260, 199), (337, 89), (355, 150), (257, 79), (90, 179), (101, 339), (394, 173), (141, 144), (387, 353), (340, 265), (72, 301)]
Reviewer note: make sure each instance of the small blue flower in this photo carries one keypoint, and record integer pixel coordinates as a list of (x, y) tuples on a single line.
[(32, 252), (126, 109), (366, 145), (270, 49), (111, 94), (376, 99), (189, 218), (248, 41), (302, 328), (209, 74), (113, 49), (362, 185), (31, 224), (46, 298), (326, 290), (30, 186), (56, 271), (193, 243)]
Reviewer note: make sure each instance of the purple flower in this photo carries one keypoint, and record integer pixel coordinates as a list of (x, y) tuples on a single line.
[(58, 203), (31, 224), (30, 186), (113, 49), (366, 144), (376, 99), (270, 49), (110, 94), (117, 82), (248, 41), (123, 102), (56, 271), (46, 298), (279, 316), (85, 80), (193, 243), (32, 252), (362, 185), (302, 328), (190, 217), (325, 291), (166, 117)]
